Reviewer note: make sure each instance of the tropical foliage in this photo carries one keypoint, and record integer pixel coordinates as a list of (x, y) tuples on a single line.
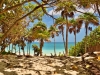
[(93, 43), (16, 16), (53, 32), (36, 49), (40, 32)]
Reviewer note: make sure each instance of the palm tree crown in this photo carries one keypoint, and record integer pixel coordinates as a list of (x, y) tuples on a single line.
[(40, 33)]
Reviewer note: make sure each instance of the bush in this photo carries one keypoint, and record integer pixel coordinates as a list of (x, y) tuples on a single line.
[(80, 46), (35, 47), (91, 41), (5, 53)]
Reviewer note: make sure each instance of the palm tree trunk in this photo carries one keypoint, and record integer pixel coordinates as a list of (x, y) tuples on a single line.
[(15, 49), (3, 46), (23, 52), (86, 27), (41, 45), (86, 30), (9, 48), (19, 50), (27, 48), (66, 37), (75, 41), (66, 41), (63, 39), (12, 49), (54, 46)]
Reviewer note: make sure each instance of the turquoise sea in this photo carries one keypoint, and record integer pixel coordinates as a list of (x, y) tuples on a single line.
[(48, 47)]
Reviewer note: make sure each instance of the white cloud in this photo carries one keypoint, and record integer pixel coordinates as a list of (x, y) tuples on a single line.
[(85, 10), (91, 10), (53, 12)]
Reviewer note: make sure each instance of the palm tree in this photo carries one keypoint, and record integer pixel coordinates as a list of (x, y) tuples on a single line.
[(28, 38), (40, 33), (15, 48), (22, 46), (29, 41), (65, 14), (19, 45), (27, 48), (60, 22), (53, 31), (88, 18), (12, 48), (14, 43), (75, 28), (66, 9), (19, 49)]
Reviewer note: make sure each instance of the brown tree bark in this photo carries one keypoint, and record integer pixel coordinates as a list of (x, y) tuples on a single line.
[(41, 45)]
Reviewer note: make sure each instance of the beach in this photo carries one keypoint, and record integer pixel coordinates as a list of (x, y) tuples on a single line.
[(47, 49), (43, 65)]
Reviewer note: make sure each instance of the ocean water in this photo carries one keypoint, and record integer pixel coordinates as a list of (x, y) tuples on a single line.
[(48, 47)]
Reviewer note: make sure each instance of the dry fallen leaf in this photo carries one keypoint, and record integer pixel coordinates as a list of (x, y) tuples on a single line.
[(74, 67), (87, 66), (98, 58)]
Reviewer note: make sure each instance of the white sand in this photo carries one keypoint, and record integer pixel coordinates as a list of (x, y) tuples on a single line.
[(71, 72), (41, 64), (1, 73)]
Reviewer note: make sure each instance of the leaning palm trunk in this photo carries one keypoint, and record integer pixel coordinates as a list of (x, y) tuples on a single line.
[(63, 39), (41, 45)]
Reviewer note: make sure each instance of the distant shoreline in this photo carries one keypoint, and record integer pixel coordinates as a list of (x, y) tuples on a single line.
[(47, 49)]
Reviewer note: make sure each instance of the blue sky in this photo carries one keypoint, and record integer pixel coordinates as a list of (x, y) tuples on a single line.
[(49, 21)]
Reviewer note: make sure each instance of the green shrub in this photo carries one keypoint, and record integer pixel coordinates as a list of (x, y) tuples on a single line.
[(92, 40), (35, 47), (5, 53)]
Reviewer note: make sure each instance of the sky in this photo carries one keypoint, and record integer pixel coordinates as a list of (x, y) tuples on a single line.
[(49, 21)]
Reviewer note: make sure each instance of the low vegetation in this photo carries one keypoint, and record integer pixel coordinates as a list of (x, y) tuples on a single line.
[(92, 41)]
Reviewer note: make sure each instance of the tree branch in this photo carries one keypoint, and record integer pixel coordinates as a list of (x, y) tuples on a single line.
[(14, 24), (97, 8), (1, 2), (80, 11), (47, 13), (13, 7), (44, 9)]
